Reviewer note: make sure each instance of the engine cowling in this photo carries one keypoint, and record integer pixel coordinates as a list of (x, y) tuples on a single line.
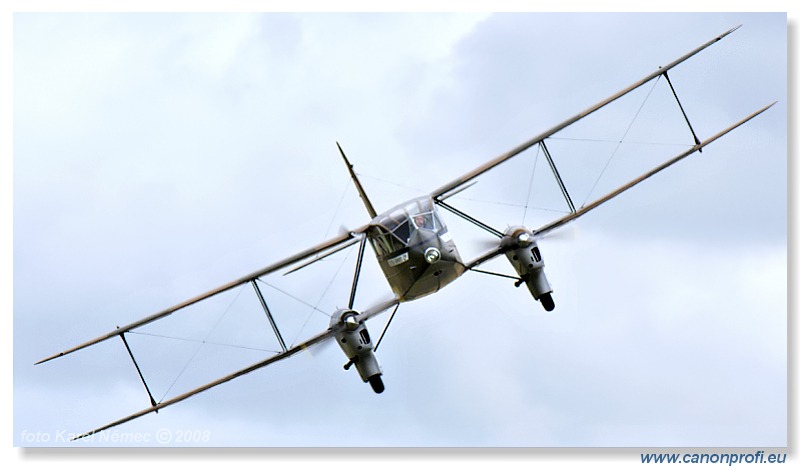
[(356, 343), (524, 255)]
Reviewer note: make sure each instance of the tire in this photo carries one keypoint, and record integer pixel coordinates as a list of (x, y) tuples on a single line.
[(376, 383), (547, 302)]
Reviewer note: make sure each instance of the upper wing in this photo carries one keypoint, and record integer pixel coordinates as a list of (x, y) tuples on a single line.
[(696, 148), (443, 190), (332, 244), (549, 227), (459, 184)]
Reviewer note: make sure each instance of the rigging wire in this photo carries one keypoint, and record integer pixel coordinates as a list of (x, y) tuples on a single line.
[(292, 296), (213, 343), (338, 208), (200, 346), (392, 183), (486, 201), (510, 204), (619, 143), (632, 142), (314, 308), (322, 296), (530, 184)]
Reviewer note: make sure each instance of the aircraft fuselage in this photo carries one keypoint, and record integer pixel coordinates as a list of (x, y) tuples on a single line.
[(414, 249)]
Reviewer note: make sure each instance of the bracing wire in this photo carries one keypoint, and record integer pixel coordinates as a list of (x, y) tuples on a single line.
[(200, 346), (213, 343), (530, 184), (392, 183), (292, 296), (619, 143), (338, 208), (314, 308), (322, 296), (486, 201), (633, 142)]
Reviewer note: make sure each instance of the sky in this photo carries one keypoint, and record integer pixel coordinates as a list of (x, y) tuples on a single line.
[(157, 156)]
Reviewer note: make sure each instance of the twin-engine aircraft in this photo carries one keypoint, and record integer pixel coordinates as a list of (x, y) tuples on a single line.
[(417, 255)]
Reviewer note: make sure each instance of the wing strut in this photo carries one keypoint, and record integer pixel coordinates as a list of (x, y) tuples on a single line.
[(558, 176), (383, 333), (469, 218), (332, 243), (269, 315), (570, 217), (583, 210), (356, 275), (227, 378), (685, 117), (135, 364), (369, 313)]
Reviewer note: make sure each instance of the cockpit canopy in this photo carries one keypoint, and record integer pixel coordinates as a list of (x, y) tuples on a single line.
[(394, 228)]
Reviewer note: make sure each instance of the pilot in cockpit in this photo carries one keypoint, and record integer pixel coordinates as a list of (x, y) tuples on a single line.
[(423, 221)]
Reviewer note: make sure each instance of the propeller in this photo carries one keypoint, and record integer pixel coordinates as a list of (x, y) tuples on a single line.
[(567, 234)]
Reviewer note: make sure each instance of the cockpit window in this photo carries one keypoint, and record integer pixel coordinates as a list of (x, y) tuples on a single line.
[(425, 221), (393, 230), (386, 243), (402, 232)]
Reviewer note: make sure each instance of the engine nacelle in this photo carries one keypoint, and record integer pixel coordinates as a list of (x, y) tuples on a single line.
[(523, 253), (356, 344)]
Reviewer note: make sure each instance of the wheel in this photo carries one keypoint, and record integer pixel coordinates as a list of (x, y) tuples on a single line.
[(376, 383), (547, 302)]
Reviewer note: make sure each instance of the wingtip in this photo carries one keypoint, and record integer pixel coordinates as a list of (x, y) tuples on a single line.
[(54, 356), (730, 31), (765, 108), (341, 152)]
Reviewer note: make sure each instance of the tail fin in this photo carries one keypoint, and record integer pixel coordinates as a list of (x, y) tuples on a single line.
[(360, 188)]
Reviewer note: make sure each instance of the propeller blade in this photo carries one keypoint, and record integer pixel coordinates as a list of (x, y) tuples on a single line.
[(567, 234), (487, 243)]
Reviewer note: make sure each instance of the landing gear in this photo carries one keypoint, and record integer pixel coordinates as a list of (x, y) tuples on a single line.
[(523, 252), (547, 302), (376, 383)]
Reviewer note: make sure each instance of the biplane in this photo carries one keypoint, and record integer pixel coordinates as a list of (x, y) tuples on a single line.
[(416, 253)]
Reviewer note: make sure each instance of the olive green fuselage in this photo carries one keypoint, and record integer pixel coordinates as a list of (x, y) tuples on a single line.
[(414, 249)]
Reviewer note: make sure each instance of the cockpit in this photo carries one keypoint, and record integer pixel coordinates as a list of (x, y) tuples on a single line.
[(394, 229)]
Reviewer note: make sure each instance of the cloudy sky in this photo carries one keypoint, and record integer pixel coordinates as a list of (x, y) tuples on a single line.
[(157, 156)]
